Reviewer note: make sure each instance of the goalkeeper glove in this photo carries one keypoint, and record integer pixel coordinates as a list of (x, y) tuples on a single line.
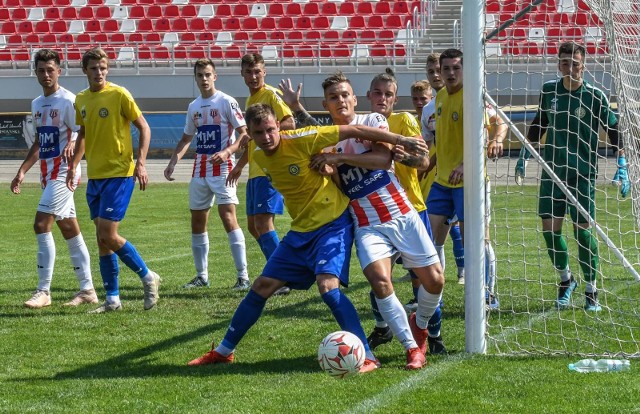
[(521, 165), (621, 178)]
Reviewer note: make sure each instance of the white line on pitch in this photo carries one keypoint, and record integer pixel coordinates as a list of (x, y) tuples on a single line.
[(389, 395), (165, 258)]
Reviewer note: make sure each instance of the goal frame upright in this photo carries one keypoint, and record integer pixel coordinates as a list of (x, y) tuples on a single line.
[(473, 21)]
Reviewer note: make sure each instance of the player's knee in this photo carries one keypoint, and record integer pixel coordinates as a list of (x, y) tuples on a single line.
[(263, 223), (381, 287), (266, 286), (434, 282), (40, 227)]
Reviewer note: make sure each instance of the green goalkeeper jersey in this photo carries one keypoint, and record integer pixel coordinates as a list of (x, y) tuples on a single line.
[(572, 132)]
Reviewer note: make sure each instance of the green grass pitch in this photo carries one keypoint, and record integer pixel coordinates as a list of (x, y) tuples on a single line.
[(59, 360)]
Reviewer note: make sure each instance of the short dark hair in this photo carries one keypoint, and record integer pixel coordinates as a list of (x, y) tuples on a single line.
[(336, 78), (258, 113), (251, 59), (572, 48), (451, 54), (388, 76), (96, 53), (45, 55), (203, 63)]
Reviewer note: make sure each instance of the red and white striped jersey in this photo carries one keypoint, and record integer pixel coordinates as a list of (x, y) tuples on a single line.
[(213, 121), (54, 122), (376, 195)]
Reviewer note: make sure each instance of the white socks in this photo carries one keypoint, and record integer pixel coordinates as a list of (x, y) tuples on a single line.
[(395, 316), (200, 249), (239, 252), (46, 257), (81, 262), (441, 256), (491, 260), (427, 304), (564, 274)]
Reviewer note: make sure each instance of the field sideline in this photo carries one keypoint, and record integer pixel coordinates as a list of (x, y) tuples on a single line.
[(63, 360)]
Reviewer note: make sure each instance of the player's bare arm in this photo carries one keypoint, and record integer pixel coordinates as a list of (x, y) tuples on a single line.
[(287, 123), (67, 152), (378, 159), (410, 144), (78, 153), (140, 171), (292, 98), (178, 153), (495, 146), (29, 161), (418, 161), (236, 172)]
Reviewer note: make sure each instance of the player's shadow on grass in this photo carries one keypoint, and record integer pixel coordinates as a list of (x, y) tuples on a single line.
[(141, 363)]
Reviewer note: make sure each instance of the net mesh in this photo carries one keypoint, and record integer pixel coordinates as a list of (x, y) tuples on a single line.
[(527, 320)]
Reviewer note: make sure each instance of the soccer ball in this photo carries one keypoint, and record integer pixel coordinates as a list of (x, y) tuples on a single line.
[(341, 354)]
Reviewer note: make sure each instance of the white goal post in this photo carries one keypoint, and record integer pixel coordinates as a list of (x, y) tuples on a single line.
[(527, 321)]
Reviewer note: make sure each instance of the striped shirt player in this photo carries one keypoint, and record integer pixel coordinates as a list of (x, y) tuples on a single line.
[(387, 226), (375, 196), (55, 132), (213, 118), (54, 121), (213, 122)]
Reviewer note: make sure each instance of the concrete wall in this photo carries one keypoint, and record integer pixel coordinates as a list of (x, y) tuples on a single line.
[(173, 92)]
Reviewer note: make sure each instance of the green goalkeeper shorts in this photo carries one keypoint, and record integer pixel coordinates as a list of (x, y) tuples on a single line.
[(554, 203)]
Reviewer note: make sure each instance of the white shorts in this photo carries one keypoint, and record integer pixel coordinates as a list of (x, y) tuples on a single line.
[(405, 235), (57, 200), (203, 191)]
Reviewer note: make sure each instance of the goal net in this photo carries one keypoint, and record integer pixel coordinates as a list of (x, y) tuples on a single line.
[(519, 57)]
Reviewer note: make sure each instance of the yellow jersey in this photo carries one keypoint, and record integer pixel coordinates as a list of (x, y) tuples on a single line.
[(312, 200), (449, 127), (270, 96), (106, 116), (405, 124)]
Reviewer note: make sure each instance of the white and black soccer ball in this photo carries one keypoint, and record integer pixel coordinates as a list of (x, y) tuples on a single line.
[(341, 354)]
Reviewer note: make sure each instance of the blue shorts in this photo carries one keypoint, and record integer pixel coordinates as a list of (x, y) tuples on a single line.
[(262, 198), (446, 201), (109, 198), (301, 256), (424, 217)]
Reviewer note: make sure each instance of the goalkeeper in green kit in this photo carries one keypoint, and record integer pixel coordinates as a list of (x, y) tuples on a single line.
[(570, 112)]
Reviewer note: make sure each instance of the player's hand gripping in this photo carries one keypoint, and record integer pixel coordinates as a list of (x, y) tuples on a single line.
[(220, 157), (521, 165), (324, 163), (621, 177), (413, 146)]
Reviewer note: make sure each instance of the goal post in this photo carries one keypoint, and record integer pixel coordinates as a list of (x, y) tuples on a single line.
[(474, 182), (527, 321)]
